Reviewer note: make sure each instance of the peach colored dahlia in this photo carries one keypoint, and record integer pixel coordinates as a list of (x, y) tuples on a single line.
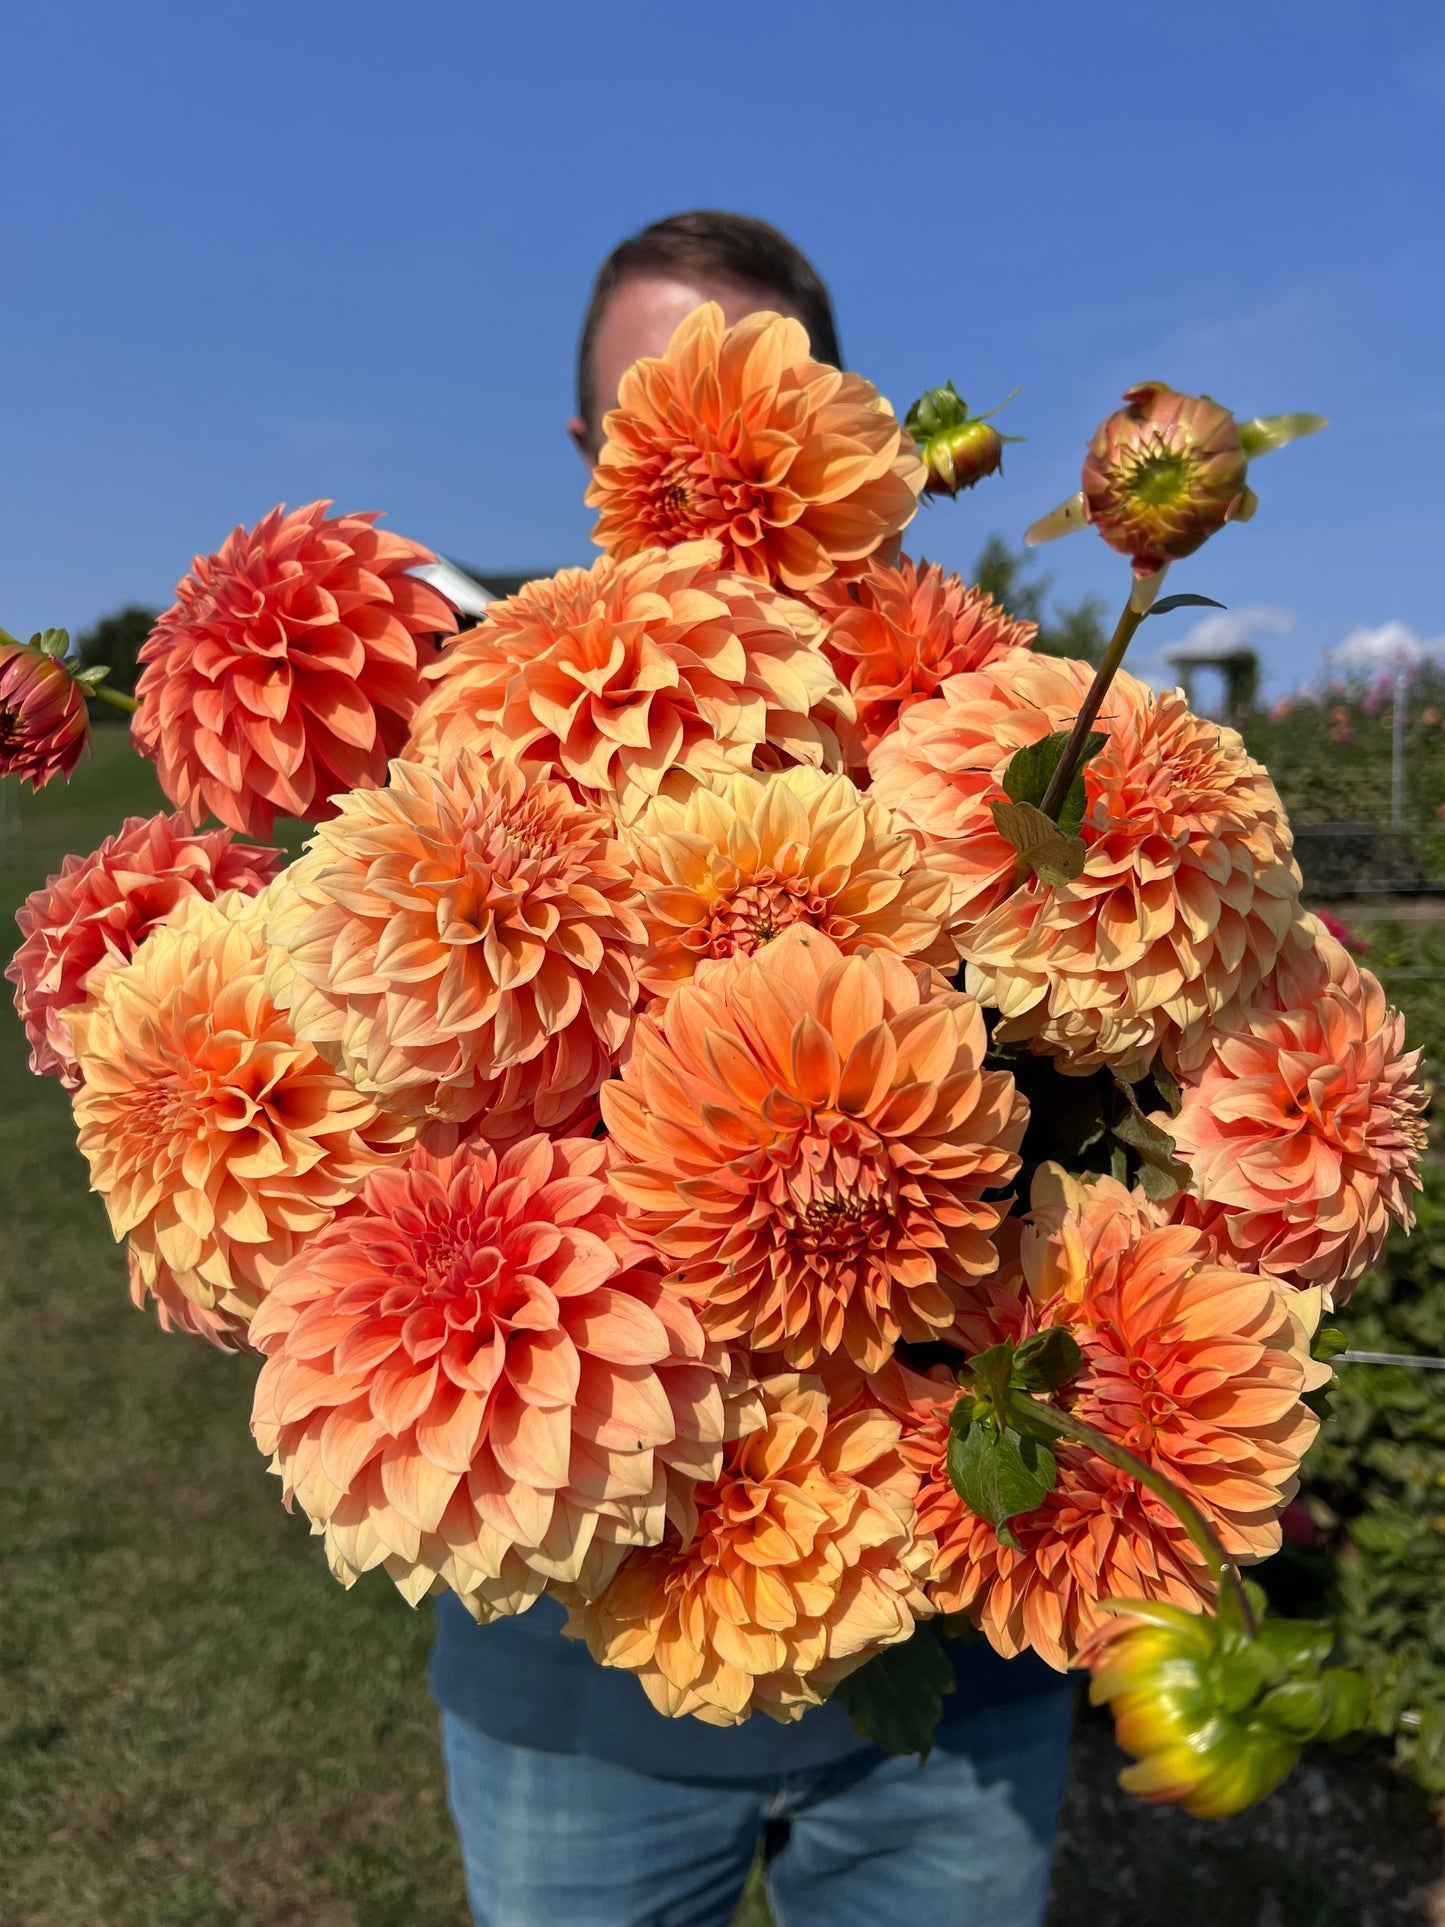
[(802, 1565), (1193, 1365), (895, 634), (226, 1330), (738, 436), (44, 723), (634, 678), (478, 1380), (218, 1143), (100, 907), (747, 856), (288, 667), (810, 1140), (1304, 1127), (443, 931), (1188, 890)]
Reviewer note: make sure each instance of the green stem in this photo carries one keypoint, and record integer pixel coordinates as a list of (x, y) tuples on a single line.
[(1049, 1420), (114, 698), (1130, 616)]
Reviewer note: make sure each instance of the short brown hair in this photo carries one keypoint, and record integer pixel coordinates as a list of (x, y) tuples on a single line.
[(733, 247)]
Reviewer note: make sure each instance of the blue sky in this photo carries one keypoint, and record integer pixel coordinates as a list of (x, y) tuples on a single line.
[(270, 253)]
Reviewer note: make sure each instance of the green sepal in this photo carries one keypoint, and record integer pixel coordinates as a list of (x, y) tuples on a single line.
[(896, 1700), (1328, 1342), (1265, 433), (92, 677), (1063, 520), (51, 642)]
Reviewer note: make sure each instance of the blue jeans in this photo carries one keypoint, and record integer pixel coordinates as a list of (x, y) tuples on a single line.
[(560, 1840)]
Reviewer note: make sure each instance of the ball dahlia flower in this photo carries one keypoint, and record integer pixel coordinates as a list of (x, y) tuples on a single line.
[(736, 435), (811, 1141), (477, 1380), (218, 1143), (1195, 1366), (440, 933), (288, 667), (745, 857), (44, 723), (1304, 1127), (98, 910), (1188, 889), (895, 634), (634, 678), (803, 1563)]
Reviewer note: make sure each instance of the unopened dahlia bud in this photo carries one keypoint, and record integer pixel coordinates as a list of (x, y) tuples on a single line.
[(44, 724), (1214, 1716), (958, 449), (1167, 471)]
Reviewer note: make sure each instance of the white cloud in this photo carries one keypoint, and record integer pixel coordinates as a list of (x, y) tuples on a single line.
[(1392, 645), (1217, 633)]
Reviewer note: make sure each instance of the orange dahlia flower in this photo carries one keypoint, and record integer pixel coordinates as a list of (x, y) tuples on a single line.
[(634, 678), (288, 667), (440, 932), (1193, 1365), (226, 1330), (1304, 1127), (802, 1564), (895, 634), (736, 435), (100, 907), (1189, 886), (218, 1143), (478, 1381), (811, 1140), (746, 856), (44, 723)]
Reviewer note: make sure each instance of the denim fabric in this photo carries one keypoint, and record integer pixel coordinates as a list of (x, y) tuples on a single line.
[(963, 1840)]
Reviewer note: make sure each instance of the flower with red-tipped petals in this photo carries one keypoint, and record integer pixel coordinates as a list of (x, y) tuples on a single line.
[(44, 723)]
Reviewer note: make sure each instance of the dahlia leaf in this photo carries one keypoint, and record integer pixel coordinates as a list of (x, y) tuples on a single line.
[(1026, 780), (896, 1700), (1047, 1360), (1162, 1174), (1172, 602), (999, 1478), (1042, 846)]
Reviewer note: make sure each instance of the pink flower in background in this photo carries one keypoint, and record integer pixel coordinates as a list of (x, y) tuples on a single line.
[(1342, 933)]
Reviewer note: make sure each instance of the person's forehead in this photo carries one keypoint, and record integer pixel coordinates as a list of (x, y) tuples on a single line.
[(644, 309)]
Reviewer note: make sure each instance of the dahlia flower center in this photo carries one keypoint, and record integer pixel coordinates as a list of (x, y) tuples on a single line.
[(753, 916), (1160, 476)]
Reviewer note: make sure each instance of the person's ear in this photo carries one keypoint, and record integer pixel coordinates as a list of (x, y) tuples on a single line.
[(582, 440)]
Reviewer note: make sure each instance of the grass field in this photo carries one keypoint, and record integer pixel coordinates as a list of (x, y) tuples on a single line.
[(197, 1726)]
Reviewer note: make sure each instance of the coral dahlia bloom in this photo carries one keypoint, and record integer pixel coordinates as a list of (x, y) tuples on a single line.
[(218, 1143), (441, 932), (100, 907), (895, 634), (44, 723), (736, 435), (634, 678), (1304, 1127), (478, 1380), (810, 1139), (1192, 1364), (1188, 889), (746, 856), (802, 1565), (288, 667)]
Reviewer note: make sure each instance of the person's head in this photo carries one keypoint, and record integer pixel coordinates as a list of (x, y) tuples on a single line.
[(650, 281)]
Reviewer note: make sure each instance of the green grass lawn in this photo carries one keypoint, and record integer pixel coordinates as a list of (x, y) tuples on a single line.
[(197, 1725)]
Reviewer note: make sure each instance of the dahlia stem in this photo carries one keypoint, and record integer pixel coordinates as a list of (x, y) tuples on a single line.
[(114, 698), (1222, 1569), (1141, 599)]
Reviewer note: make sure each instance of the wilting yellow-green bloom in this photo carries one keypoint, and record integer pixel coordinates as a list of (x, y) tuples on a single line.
[(1166, 471), (957, 449), (1216, 1718)]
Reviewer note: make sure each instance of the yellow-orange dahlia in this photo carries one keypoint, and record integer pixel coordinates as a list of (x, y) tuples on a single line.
[(635, 678), (442, 932), (1188, 889), (288, 667), (1195, 1366), (810, 1139), (98, 910), (1304, 1127), (895, 634), (738, 436), (218, 1143), (802, 1564), (745, 857), (478, 1380)]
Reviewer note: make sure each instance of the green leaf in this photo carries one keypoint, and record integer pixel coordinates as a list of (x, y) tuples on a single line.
[(896, 1700), (1029, 772), (1172, 602), (1041, 844), (999, 1478), (1161, 1174), (1047, 1360)]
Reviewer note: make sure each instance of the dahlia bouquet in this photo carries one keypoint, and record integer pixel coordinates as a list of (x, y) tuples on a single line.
[(767, 1108)]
